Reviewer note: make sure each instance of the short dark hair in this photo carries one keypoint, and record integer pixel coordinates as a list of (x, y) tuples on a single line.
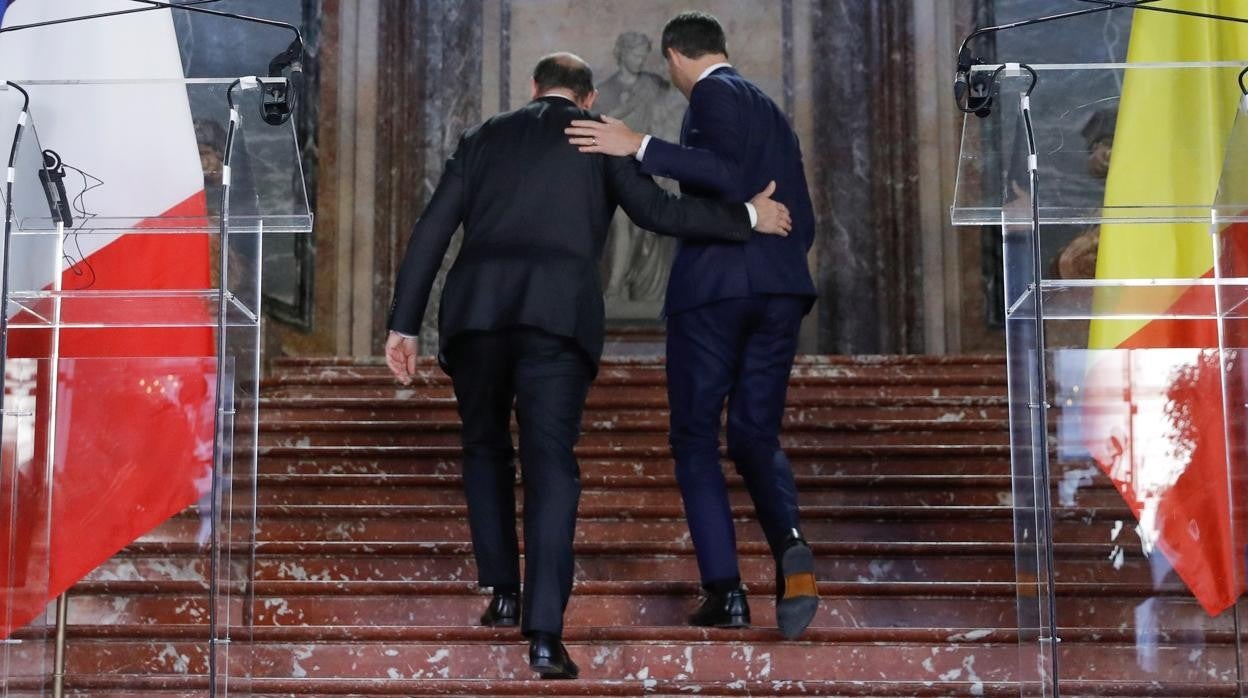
[(1100, 126), (564, 70), (693, 35)]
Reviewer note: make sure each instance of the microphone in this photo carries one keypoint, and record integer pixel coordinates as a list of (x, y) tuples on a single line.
[(52, 176), (978, 89), (279, 98)]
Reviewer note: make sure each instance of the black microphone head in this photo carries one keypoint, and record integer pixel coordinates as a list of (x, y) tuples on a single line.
[(291, 58), (965, 60), (963, 84), (982, 87), (277, 102), (278, 99)]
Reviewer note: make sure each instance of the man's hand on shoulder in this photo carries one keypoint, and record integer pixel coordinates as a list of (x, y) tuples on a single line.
[(609, 137), (401, 355), (773, 216)]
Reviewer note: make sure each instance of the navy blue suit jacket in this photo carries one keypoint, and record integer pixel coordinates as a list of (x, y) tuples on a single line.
[(734, 140)]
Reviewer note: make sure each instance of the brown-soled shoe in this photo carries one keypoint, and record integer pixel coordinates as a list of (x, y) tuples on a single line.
[(797, 593)]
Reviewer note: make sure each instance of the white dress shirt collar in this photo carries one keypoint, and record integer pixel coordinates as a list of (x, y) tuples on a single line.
[(556, 94), (710, 70)]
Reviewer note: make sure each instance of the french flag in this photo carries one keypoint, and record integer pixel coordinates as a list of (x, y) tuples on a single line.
[(120, 439)]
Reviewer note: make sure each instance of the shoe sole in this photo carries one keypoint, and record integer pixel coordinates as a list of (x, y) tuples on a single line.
[(501, 624), (797, 609), (550, 671), (733, 625), (737, 623)]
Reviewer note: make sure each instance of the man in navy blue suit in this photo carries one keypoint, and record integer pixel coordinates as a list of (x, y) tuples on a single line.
[(733, 316)]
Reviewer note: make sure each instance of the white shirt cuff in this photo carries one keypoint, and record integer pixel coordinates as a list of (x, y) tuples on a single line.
[(641, 152), (412, 336), (753, 214)]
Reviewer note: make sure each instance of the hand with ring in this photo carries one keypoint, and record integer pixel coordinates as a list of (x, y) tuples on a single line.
[(609, 136)]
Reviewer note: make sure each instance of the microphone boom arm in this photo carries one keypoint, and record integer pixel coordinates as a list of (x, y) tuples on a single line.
[(156, 4), (67, 20), (979, 90)]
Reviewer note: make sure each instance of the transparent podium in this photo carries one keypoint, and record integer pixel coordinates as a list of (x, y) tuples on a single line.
[(133, 261), (1126, 327)]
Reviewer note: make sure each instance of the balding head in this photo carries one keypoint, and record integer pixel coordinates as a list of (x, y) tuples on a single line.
[(564, 72)]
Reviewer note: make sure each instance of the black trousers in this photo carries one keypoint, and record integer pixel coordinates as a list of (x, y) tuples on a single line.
[(547, 378)]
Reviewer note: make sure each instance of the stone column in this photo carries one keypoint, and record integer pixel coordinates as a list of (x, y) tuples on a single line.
[(869, 273), (429, 93)]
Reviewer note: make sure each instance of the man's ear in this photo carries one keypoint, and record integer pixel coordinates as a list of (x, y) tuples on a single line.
[(532, 89), (588, 102)]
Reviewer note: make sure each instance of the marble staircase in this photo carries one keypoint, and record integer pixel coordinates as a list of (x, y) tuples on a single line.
[(364, 576)]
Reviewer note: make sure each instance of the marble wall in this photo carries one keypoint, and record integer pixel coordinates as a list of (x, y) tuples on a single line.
[(403, 79), (430, 93), (869, 268)]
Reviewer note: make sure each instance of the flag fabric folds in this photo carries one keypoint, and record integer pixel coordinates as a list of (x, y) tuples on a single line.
[(1154, 418), (117, 435)]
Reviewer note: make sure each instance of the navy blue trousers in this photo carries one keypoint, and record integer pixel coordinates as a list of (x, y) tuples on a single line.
[(739, 351)]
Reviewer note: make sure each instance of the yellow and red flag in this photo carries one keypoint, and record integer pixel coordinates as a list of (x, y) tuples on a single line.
[(1157, 418)]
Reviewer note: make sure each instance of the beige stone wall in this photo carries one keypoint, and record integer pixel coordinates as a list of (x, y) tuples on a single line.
[(589, 29)]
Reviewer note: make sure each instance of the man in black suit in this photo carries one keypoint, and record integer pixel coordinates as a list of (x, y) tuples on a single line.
[(733, 316), (521, 322)]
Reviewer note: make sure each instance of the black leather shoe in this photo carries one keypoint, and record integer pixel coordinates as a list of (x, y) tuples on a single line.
[(723, 610), (548, 657), (797, 595), (504, 611)]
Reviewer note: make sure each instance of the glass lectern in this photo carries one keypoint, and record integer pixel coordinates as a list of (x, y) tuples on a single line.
[(137, 218), (1125, 313)]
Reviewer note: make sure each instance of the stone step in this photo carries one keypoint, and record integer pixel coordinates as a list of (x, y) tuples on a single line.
[(454, 562), (428, 374), (654, 653), (649, 603), (623, 442), (277, 412), (644, 425), (640, 452), (291, 363), (194, 687), (663, 523), (601, 407), (799, 394), (649, 462), (642, 492), (1075, 552), (652, 397)]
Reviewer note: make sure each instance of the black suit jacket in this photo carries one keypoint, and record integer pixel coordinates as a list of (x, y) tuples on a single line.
[(535, 213)]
